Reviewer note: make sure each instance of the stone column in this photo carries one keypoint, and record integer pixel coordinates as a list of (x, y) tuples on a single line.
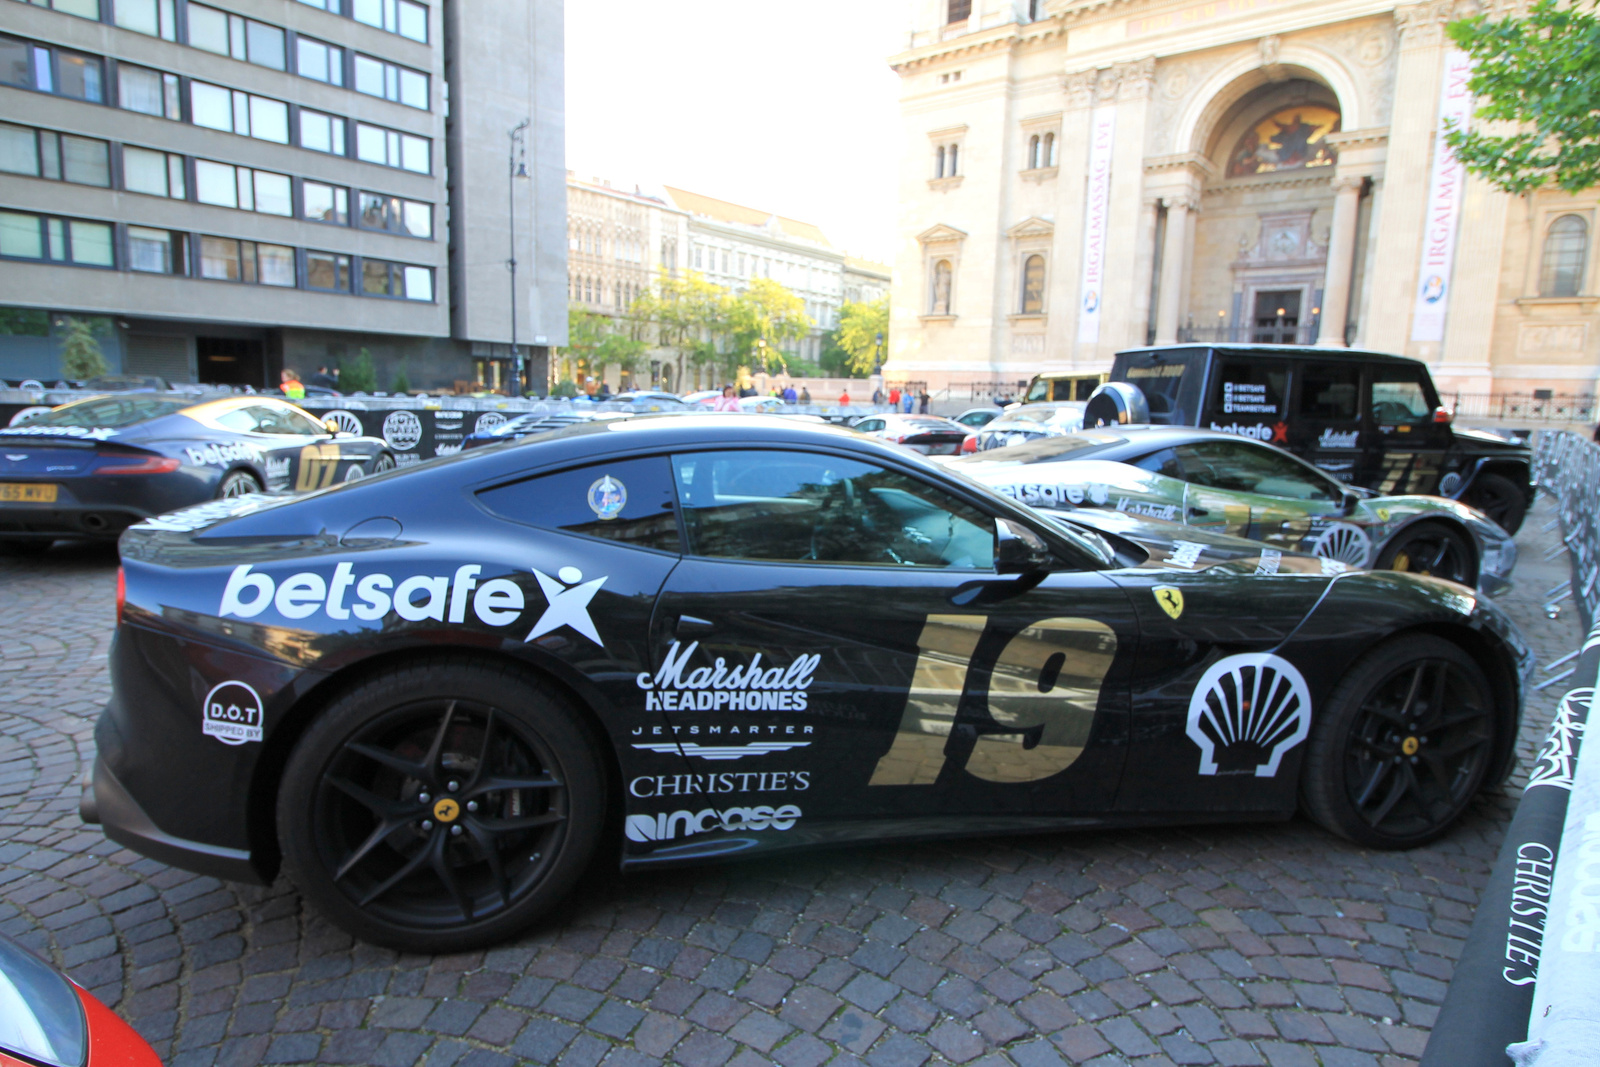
[(1341, 261), (1169, 297), (1125, 313)]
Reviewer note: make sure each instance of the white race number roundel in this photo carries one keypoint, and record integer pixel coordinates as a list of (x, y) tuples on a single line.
[(488, 421), (348, 421), (403, 430)]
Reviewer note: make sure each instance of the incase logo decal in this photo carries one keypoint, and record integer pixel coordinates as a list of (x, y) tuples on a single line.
[(232, 714), (666, 826)]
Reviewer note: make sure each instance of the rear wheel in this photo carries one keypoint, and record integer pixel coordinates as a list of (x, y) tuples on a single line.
[(238, 483), (1500, 498), (442, 806), (1401, 746), (1430, 548), (385, 462)]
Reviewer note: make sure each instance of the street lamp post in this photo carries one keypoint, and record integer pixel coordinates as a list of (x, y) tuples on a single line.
[(877, 353), (517, 167)]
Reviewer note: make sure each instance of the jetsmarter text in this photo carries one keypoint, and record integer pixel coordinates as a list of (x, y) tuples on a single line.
[(740, 688)]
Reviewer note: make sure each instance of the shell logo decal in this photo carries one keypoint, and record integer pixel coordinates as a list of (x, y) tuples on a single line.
[(1345, 542), (1246, 712)]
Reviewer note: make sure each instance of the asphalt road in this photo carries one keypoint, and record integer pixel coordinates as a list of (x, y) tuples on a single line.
[(1259, 944)]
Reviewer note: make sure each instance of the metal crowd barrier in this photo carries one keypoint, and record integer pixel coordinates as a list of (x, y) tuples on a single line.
[(1527, 985)]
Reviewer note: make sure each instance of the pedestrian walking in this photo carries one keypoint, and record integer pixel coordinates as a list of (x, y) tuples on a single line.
[(805, 395), (923, 402), (905, 400), (844, 399), (877, 395), (290, 384), (789, 395), (727, 401), (894, 398), (323, 379)]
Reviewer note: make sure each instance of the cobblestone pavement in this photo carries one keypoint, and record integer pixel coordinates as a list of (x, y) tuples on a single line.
[(1260, 944)]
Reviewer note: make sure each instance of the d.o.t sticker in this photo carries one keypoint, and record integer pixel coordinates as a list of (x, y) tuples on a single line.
[(232, 714)]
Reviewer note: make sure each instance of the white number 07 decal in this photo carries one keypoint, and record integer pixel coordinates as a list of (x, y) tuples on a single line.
[(1042, 692)]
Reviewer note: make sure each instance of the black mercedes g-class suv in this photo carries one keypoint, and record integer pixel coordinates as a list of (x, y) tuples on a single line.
[(1366, 418)]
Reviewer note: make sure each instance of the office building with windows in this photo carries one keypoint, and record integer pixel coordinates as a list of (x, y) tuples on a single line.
[(229, 188), (1079, 177)]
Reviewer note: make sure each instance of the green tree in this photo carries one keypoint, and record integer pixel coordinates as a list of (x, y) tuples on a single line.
[(862, 326), (402, 381), (600, 341), (688, 316), (80, 348), (761, 321), (1540, 73), (359, 375)]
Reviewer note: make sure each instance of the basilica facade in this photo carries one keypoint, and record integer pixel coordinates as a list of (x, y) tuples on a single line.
[(1083, 176)]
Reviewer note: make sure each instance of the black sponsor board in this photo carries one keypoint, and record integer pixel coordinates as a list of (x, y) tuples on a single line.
[(1491, 995), (412, 433)]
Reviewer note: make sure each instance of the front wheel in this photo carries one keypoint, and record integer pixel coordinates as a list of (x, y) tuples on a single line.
[(1430, 548), (1500, 498), (442, 806), (238, 483), (1402, 744)]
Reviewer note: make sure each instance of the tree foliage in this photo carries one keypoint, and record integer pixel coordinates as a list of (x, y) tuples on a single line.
[(1540, 72), (864, 332), (761, 321), (81, 356), (359, 375)]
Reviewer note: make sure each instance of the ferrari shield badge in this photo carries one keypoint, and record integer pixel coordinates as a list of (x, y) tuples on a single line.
[(1170, 597), (607, 497)]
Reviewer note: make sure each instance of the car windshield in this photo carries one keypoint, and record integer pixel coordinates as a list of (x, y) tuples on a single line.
[(1170, 381), (1041, 451), (110, 412), (1041, 416)]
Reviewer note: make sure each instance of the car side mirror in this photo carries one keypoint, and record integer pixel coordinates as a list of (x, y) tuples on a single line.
[(1018, 550), (1349, 501), (332, 426)]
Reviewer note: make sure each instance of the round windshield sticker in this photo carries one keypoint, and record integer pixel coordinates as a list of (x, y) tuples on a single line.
[(607, 497)]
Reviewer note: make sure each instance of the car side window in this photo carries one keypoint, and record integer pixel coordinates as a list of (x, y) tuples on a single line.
[(1164, 462), (626, 500), (809, 507), (870, 426), (1242, 467), (241, 420), (1398, 396), (284, 421), (1329, 391)]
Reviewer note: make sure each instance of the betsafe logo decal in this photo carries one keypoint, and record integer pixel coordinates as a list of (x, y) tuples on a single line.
[(440, 597)]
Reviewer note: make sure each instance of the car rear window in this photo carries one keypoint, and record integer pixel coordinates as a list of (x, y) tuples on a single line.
[(110, 412), (1171, 383)]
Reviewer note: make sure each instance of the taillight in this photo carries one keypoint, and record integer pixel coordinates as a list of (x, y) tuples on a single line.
[(969, 443), (1443, 414), (142, 465), (122, 593)]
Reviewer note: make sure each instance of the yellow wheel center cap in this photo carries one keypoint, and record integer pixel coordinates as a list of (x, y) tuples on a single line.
[(1409, 746), (446, 810)]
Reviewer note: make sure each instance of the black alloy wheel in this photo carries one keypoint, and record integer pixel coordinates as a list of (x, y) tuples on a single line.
[(1402, 745), (1430, 548), (237, 483), (441, 807), (384, 462), (1499, 498)]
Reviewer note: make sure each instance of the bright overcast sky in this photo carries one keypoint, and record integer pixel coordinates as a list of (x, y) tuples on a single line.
[(782, 105)]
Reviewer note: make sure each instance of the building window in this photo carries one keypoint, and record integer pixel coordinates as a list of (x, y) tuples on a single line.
[(155, 251), (1049, 149), (232, 111), (84, 9), (321, 132), (400, 84), (144, 170), (945, 158), (45, 237), (319, 61), (382, 278), (52, 70), (1041, 151), (158, 18), (61, 156), (374, 144), (939, 298), (397, 16), (231, 35), (959, 10), (333, 7), (1565, 252), (328, 270), (1033, 286), (396, 215), (226, 185), (1033, 152), (226, 259), (149, 92), (326, 203)]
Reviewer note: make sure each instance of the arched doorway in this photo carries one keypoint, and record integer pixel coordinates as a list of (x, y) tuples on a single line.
[(1261, 238)]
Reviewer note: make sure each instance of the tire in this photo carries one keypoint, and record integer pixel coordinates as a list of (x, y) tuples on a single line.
[(1500, 498), (441, 879), (384, 462), (1401, 746), (1431, 548), (237, 483)]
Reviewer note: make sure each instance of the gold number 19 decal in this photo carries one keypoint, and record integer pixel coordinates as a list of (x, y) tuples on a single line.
[(317, 466), (1042, 692)]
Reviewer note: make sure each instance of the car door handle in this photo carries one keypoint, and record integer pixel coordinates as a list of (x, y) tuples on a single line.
[(690, 625), (1198, 513)]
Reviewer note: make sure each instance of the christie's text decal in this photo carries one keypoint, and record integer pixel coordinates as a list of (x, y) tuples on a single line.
[(669, 825), (232, 714), (717, 687), (687, 785), (1530, 908)]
